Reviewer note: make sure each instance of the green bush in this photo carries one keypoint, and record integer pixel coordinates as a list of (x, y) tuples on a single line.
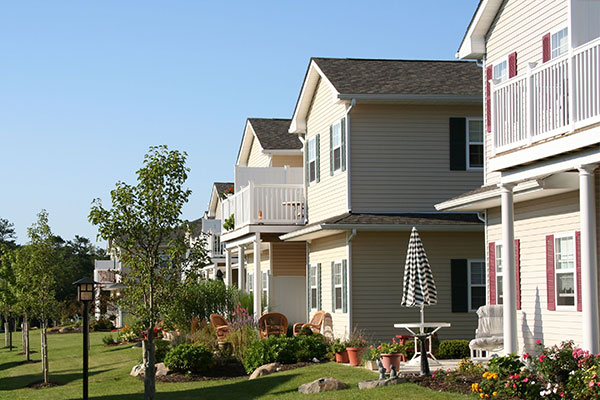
[(305, 331), (188, 358), (103, 324), (454, 349), (310, 347), (258, 353), (109, 339), (161, 348), (285, 348)]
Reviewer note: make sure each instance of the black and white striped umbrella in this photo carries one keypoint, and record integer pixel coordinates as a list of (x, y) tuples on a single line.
[(419, 287)]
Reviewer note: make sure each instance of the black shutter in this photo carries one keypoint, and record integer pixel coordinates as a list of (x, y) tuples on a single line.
[(460, 289), (458, 144)]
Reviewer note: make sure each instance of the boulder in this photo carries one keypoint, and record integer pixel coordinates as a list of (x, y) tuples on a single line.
[(161, 370), (380, 383), (265, 370), (322, 385), (137, 370)]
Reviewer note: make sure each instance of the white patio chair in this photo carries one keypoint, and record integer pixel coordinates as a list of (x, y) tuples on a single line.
[(489, 335)]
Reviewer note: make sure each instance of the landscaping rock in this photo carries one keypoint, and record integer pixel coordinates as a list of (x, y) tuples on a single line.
[(137, 370), (322, 385), (161, 370), (265, 370), (380, 383)]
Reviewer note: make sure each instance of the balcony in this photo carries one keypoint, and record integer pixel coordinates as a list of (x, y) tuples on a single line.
[(216, 249), (557, 97)]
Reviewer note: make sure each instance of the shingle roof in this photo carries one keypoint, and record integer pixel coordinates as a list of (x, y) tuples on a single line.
[(482, 189), (223, 186), (272, 133), (405, 219), (410, 77)]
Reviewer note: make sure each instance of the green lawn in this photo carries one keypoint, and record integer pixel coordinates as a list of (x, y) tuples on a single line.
[(109, 377)]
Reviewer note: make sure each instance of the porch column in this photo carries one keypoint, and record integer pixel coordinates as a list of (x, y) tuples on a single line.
[(589, 267), (509, 283), (257, 279), (227, 267), (241, 270)]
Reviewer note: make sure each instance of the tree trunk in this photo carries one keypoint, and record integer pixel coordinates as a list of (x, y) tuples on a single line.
[(26, 337), (44, 352), (149, 378), (10, 332), (6, 327)]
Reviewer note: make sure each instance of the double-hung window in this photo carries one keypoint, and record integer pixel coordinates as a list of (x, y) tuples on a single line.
[(559, 42), (475, 143), (336, 146), (338, 286), (314, 289), (564, 262), (250, 283), (476, 284), (501, 71), (499, 274), (265, 286), (312, 160)]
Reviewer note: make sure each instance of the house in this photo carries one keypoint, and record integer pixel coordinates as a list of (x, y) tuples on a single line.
[(107, 273), (542, 151), (384, 141), (268, 202)]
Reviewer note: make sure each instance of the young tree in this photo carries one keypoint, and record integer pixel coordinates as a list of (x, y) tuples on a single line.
[(147, 233), (7, 295)]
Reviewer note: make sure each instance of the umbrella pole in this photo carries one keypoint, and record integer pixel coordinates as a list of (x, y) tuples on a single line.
[(422, 317)]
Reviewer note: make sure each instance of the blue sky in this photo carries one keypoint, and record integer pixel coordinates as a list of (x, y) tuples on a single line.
[(87, 87)]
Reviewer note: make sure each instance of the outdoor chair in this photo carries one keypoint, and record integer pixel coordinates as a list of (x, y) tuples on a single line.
[(314, 324), (489, 335), (272, 324), (221, 327)]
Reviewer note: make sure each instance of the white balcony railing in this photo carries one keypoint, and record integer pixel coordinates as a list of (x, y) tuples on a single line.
[(270, 204), (215, 247), (556, 97)]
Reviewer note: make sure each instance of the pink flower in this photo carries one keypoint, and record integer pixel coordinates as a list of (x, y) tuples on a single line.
[(514, 386), (525, 356), (526, 380), (538, 341), (541, 358), (591, 384)]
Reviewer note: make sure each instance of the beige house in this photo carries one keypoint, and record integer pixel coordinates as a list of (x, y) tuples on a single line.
[(385, 140), (542, 151)]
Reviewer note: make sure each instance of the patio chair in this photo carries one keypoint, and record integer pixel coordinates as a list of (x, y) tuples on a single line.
[(489, 335), (314, 324), (221, 327), (272, 324)]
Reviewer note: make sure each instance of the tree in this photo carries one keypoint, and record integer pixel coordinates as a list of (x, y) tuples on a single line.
[(7, 294), (147, 233), (7, 232)]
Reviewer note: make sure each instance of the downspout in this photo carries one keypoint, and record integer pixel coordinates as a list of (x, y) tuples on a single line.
[(349, 197), (349, 249)]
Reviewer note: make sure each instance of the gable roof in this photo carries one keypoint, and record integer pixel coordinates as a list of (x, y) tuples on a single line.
[(216, 194), (473, 43), (272, 135)]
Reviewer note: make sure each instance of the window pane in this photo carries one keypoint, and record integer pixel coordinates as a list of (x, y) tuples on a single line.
[(477, 273), (477, 297), (336, 135), (264, 280), (475, 155), (312, 146), (499, 289), (560, 42), (565, 253), (475, 131), (499, 259), (337, 160), (500, 71), (312, 171), (565, 287), (313, 298), (338, 298), (337, 274)]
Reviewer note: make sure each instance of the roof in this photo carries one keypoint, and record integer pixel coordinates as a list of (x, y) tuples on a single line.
[(223, 186), (272, 133), (473, 43), (417, 77)]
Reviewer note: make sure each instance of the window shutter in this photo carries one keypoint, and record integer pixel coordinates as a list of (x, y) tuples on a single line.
[(343, 144), (331, 150), (578, 268), (319, 286), (550, 294), (306, 166), (345, 286), (546, 48), (308, 286), (458, 144), (318, 157), (489, 74), (512, 64), (459, 281), (518, 271), (492, 271), (333, 305)]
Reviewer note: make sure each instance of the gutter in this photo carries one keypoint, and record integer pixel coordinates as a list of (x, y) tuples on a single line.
[(349, 249), (413, 98), (348, 175)]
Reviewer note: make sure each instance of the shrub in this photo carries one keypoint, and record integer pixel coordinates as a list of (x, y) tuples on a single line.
[(188, 358), (305, 331), (410, 348), (337, 346), (258, 353), (310, 347), (285, 349), (161, 348), (454, 349), (108, 340)]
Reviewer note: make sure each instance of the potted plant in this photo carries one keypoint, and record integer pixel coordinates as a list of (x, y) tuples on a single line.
[(339, 348), (371, 356), (392, 354), (355, 348)]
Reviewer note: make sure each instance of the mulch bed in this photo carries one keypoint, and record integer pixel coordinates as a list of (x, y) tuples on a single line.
[(42, 385), (438, 384)]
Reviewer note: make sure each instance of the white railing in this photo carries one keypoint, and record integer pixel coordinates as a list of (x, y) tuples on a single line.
[(539, 104), (267, 175), (266, 204)]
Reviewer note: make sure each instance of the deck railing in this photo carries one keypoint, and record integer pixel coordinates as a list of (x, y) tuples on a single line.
[(556, 97), (266, 204)]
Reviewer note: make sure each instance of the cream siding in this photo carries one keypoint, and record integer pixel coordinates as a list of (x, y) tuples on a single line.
[(257, 158), (400, 157), (377, 275), (324, 251), (282, 161), (328, 197)]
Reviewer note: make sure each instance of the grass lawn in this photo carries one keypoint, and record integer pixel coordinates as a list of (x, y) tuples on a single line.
[(109, 377)]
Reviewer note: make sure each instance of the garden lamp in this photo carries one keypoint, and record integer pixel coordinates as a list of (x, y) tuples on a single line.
[(85, 294)]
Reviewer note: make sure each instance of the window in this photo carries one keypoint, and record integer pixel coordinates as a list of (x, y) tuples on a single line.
[(476, 284), (475, 143), (560, 42), (265, 285), (314, 290), (501, 71), (336, 146), (312, 160), (499, 289), (338, 286), (564, 264), (250, 282)]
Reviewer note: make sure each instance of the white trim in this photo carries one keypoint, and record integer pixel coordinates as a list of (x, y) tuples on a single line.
[(468, 143), (314, 306), (338, 123), (349, 239), (497, 254), (334, 305), (473, 44), (283, 152), (561, 235), (311, 160), (348, 175), (381, 98), (470, 284)]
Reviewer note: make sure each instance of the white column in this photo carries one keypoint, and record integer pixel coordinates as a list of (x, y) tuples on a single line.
[(589, 267), (509, 282), (257, 278), (241, 269), (227, 267)]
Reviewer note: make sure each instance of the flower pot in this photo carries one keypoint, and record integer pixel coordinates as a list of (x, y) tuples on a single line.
[(354, 355), (371, 365), (392, 359), (342, 357)]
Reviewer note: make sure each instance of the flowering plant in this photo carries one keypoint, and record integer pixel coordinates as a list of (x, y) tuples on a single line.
[(337, 346), (127, 334), (391, 348)]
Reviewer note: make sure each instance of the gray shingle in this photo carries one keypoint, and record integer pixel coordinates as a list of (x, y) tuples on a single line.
[(272, 133)]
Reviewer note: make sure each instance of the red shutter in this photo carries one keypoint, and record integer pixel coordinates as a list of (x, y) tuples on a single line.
[(518, 271), (546, 48), (489, 73), (550, 292), (512, 64), (578, 267), (492, 271)]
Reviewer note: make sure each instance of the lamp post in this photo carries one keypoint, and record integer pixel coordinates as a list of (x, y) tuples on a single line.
[(85, 294)]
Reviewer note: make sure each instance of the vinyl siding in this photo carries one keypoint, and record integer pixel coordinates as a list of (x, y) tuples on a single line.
[(256, 158), (400, 157), (377, 275), (324, 251), (328, 197), (289, 259), (282, 161)]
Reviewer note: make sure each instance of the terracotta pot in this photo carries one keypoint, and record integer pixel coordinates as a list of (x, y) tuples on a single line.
[(354, 355), (391, 359), (342, 358)]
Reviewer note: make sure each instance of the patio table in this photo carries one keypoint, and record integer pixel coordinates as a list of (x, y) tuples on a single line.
[(422, 326)]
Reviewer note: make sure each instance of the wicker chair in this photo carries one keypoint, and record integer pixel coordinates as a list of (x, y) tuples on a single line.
[(314, 324), (221, 327), (272, 324)]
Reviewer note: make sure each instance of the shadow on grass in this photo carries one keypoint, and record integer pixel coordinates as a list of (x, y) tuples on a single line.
[(115, 348), (23, 381), (11, 364), (233, 390)]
